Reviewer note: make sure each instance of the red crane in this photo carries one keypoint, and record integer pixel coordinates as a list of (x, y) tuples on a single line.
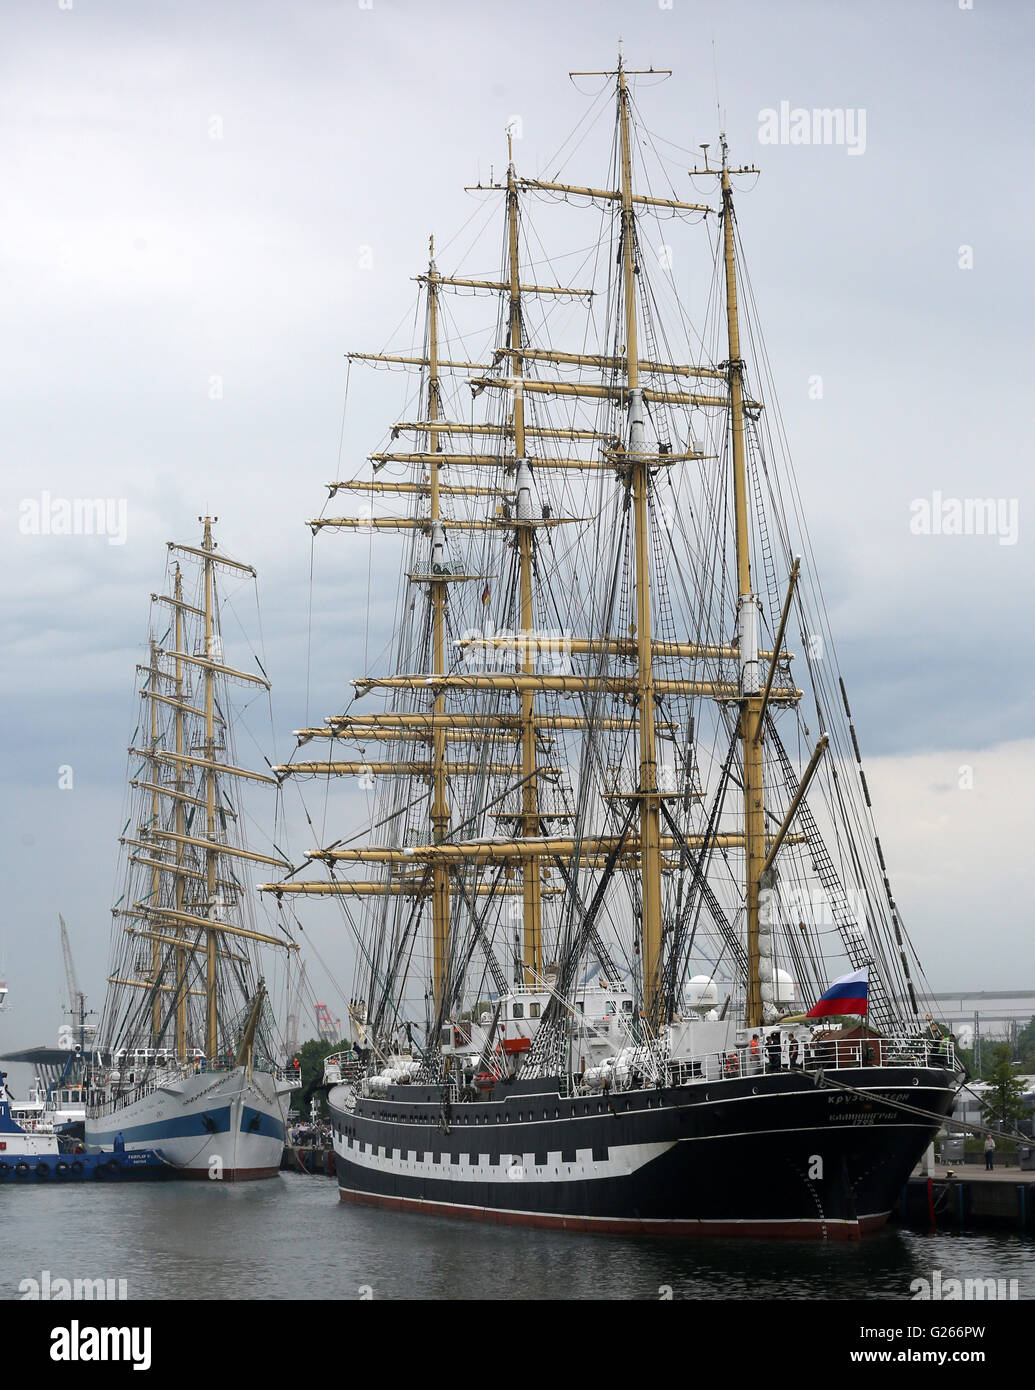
[(328, 1028)]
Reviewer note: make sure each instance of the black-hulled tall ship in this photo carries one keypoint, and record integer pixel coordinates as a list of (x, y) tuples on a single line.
[(615, 856)]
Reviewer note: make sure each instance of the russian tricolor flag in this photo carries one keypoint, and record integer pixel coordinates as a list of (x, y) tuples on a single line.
[(848, 995)]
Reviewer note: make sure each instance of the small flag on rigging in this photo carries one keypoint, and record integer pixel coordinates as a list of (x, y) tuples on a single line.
[(847, 995), (485, 596)]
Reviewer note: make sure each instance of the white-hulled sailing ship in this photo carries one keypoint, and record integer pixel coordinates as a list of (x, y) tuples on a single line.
[(615, 854), (186, 1061)]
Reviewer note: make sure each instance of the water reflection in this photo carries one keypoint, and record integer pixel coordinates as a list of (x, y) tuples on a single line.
[(291, 1238)]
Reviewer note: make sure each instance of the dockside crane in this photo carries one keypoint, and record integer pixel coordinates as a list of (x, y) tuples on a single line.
[(328, 1028), (294, 1014), (79, 1031)]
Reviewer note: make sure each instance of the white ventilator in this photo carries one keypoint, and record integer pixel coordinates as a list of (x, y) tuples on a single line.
[(439, 564), (523, 487), (747, 629)]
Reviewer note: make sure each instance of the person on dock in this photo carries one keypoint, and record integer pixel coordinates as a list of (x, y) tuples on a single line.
[(989, 1153)]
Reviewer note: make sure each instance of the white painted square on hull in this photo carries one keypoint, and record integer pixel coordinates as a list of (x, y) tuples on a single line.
[(621, 1161)]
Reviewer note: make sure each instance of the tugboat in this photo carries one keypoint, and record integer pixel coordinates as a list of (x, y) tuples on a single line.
[(41, 1156)]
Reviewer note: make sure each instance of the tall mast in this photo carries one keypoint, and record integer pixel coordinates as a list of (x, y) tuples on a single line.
[(211, 853), (182, 983), (634, 463), (531, 890), (650, 815), (156, 872), (750, 722), (439, 567), (176, 906)]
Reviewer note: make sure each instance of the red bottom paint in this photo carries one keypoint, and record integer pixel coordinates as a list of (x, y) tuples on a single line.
[(616, 1226), (228, 1174)]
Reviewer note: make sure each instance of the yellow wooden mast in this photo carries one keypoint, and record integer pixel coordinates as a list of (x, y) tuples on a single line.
[(181, 951), (211, 852), (752, 698), (532, 895), (748, 619), (440, 897), (153, 834), (639, 475), (156, 870)]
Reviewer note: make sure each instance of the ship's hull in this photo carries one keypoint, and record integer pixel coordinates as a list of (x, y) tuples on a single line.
[(24, 1170), (776, 1155), (228, 1125)]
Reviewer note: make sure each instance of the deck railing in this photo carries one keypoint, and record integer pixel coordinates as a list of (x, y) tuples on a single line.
[(172, 1075), (339, 1067), (810, 1056), (830, 1054)]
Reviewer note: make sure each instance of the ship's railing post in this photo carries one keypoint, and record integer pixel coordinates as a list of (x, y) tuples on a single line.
[(831, 1054)]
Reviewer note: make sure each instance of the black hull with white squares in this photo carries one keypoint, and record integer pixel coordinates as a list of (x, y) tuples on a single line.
[(781, 1154)]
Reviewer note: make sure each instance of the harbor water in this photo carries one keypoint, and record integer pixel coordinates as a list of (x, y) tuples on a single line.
[(290, 1238)]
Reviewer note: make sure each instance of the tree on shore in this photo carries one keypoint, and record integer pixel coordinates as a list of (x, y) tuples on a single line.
[(1002, 1104), (310, 1056), (1026, 1047)]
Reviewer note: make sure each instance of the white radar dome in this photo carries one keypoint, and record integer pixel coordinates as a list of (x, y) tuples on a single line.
[(701, 992), (783, 988)]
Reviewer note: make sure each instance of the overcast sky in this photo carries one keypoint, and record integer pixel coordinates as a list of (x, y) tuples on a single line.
[(203, 206)]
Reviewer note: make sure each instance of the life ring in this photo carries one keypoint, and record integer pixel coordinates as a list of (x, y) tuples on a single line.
[(77, 1167), (42, 1169), (61, 1170), (732, 1064), (21, 1169), (5, 1167)]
